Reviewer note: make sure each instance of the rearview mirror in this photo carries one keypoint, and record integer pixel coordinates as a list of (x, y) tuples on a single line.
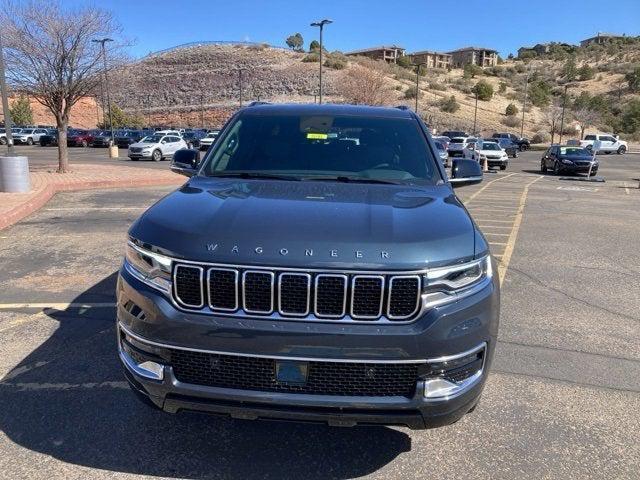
[(465, 172), (185, 162)]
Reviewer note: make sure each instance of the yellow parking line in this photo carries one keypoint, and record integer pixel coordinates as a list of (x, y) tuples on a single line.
[(492, 220), (486, 186), (508, 251), (494, 226), (496, 243), (497, 234)]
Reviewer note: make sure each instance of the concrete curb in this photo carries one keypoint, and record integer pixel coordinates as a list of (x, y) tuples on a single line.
[(43, 196)]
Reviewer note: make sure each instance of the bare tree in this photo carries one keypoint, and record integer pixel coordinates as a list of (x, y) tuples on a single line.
[(586, 118), (50, 56), (552, 116), (365, 86)]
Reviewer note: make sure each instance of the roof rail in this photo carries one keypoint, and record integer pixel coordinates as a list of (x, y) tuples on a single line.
[(402, 107), (253, 104)]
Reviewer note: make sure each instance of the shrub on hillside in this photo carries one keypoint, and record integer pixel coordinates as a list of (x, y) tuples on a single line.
[(335, 63), (633, 79), (433, 85), (511, 122), (540, 137), (483, 90), (585, 72), (365, 86), (471, 70), (404, 62), (511, 110), (502, 88), (311, 57), (411, 92), (449, 105), (540, 93)]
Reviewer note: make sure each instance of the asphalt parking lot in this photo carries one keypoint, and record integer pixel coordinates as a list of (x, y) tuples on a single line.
[(562, 400)]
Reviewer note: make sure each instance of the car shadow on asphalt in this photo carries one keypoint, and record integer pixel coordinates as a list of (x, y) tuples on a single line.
[(68, 399)]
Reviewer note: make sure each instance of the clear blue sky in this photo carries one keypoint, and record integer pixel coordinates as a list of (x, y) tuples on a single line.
[(415, 24)]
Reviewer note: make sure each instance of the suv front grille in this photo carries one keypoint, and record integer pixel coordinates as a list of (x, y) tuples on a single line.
[(322, 295), (324, 378)]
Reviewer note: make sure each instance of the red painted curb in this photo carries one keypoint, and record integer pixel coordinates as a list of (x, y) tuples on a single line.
[(43, 196)]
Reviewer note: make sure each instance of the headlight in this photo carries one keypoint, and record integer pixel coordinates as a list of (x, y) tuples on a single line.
[(447, 284), (567, 162), (149, 267)]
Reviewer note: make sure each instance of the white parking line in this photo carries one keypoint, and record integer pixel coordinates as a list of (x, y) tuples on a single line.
[(57, 306), (65, 209)]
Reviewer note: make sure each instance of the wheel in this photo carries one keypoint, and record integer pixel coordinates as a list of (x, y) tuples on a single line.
[(515, 154), (84, 143), (503, 167), (556, 169), (189, 146), (608, 152), (29, 141), (543, 167), (589, 148), (156, 156), (133, 159), (593, 174), (622, 150), (3, 141)]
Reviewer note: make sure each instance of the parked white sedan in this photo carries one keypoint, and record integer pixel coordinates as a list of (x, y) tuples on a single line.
[(156, 147)]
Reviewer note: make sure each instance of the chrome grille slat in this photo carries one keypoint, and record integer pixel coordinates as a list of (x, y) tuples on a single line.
[(349, 296)]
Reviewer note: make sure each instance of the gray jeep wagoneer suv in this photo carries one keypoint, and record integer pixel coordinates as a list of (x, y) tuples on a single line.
[(316, 266)]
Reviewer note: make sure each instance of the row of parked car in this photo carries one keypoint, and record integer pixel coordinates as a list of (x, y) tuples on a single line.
[(140, 144), (497, 150)]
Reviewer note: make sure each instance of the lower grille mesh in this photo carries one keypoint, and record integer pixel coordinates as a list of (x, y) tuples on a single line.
[(324, 378)]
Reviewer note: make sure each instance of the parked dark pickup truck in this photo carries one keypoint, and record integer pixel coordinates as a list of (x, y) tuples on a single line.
[(50, 139), (317, 266), (127, 137)]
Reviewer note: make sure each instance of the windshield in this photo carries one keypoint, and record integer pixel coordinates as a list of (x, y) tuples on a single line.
[(574, 151), (363, 147), (490, 146), (457, 140), (27, 130), (152, 139), (439, 146)]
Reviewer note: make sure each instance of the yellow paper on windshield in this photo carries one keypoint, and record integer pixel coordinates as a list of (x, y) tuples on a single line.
[(317, 136)]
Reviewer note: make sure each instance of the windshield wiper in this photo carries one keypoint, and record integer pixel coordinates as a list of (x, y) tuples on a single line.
[(252, 175), (345, 179)]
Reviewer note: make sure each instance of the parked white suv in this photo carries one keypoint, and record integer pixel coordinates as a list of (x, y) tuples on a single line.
[(29, 136), (457, 146), (608, 143), (208, 140), (156, 147)]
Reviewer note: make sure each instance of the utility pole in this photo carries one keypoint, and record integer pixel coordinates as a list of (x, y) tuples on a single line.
[(564, 104), (106, 82), (475, 115), (321, 24), (201, 111), (5, 104), (240, 83), (418, 65), (524, 104), (148, 111)]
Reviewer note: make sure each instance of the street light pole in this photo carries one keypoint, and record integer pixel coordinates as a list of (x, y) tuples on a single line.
[(524, 104), (475, 115), (106, 82), (321, 24), (418, 65), (5, 104), (564, 104)]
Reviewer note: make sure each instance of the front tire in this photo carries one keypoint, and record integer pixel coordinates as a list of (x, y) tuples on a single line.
[(556, 169), (29, 141), (84, 143), (503, 167), (622, 150), (3, 141), (543, 167), (156, 156)]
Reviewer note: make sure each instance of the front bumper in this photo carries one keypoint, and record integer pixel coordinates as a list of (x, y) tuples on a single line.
[(564, 168), (497, 162), (139, 155), (148, 319)]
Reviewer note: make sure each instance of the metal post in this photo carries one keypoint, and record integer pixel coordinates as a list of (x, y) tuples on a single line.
[(321, 24), (418, 65), (475, 115), (564, 104), (5, 104)]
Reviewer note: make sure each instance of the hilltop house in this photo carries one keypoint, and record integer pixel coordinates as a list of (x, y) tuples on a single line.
[(431, 59), (601, 39), (483, 57), (388, 53)]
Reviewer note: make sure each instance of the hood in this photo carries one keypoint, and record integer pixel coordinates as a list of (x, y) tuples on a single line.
[(310, 224), (143, 145)]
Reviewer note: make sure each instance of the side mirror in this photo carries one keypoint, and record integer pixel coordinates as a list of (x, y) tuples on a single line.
[(465, 172), (185, 162)]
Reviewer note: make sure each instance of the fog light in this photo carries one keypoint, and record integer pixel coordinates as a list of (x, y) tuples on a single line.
[(453, 375), (139, 363)]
